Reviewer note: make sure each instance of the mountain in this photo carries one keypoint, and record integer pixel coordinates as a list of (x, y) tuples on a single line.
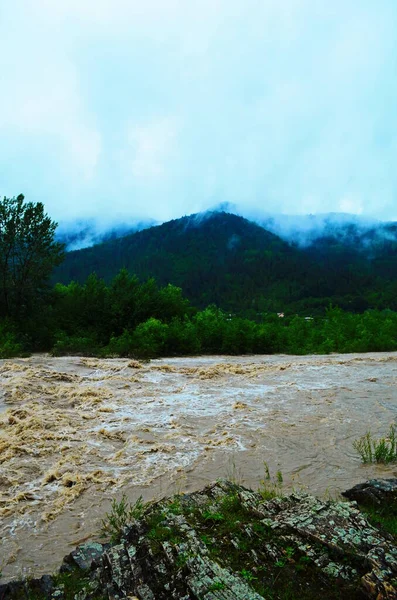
[(304, 230), (225, 259)]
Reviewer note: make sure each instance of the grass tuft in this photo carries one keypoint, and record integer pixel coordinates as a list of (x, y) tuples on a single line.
[(271, 487), (121, 514), (382, 450)]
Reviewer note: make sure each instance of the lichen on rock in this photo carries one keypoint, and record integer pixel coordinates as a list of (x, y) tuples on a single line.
[(226, 542)]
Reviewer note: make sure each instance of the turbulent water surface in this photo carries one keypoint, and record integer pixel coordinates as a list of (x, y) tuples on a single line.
[(77, 432)]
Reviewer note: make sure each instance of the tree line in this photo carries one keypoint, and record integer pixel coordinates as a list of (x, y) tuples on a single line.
[(129, 317)]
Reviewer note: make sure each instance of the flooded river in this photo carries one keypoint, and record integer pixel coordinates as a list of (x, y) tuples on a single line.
[(77, 432)]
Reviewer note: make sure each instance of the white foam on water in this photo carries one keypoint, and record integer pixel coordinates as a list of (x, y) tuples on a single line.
[(76, 432)]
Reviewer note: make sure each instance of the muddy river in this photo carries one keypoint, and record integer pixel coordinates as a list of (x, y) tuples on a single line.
[(77, 432)]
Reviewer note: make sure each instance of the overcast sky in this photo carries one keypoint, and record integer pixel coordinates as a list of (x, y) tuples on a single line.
[(122, 109)]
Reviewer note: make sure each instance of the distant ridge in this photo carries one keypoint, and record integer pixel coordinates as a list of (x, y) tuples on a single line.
[(219, 257)]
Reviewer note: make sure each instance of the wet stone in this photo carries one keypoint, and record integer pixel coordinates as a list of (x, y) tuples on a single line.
[(375, 492), (84, 555)]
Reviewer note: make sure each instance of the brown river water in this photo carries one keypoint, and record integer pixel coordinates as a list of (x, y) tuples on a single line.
[(77, 432)]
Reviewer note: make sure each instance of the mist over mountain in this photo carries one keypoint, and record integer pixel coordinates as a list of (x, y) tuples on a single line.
[(83, 234), (305, 230), (222, 258), (301, 230)]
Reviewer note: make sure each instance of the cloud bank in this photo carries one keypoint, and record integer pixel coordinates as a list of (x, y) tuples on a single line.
[(122, 110)]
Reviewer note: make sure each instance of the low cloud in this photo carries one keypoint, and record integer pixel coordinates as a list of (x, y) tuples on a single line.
[(150, 149), (126, 110)]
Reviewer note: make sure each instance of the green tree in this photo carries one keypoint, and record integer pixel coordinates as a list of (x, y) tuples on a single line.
[(122, 298), (28, 254), (172, 303), (149, 338), (210, 327)]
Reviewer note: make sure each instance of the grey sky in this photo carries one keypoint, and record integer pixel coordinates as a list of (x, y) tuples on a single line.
[(120, 109)]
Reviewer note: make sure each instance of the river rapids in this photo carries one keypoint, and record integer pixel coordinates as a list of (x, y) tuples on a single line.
[(77, 432)]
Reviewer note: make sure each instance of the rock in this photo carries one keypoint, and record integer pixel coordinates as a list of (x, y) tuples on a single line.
[(229, 543), (226, 542), (375, 492), (11, 590), (84, 555), (43, 588)]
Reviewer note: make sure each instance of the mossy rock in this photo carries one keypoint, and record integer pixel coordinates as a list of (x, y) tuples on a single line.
[(229, 543)]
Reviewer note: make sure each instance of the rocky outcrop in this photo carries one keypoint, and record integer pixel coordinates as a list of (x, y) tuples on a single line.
[(376, 492), (229, 543)]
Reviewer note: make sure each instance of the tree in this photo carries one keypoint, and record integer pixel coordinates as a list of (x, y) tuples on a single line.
[(122, 298), (28, 254)]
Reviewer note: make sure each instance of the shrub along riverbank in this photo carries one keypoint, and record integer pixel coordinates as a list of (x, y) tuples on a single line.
[(130, 318)]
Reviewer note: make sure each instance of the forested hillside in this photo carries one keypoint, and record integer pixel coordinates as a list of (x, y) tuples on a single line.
[(222, 258), (225, 259)]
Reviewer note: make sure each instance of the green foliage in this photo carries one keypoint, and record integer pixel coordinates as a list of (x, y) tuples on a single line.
[(208, 541), (127, 317), (92, 319), (175, 506), (385, 517), (181, 338), (122, 513), (382, 450), (248, 575), (83, 310), (10, 346), (216, 585), (269, 487), (209, 515), (28, 254), (72, 582), (75, 345), (122, 300), (149, 338), (210, 327), (122, 345), (364, 447), (140, 319), (171, 303), (303, 564), (121, 319)]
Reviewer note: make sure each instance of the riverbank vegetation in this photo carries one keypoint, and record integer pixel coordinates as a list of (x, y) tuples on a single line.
[(382, 450), (133, 318), (139, 319)]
